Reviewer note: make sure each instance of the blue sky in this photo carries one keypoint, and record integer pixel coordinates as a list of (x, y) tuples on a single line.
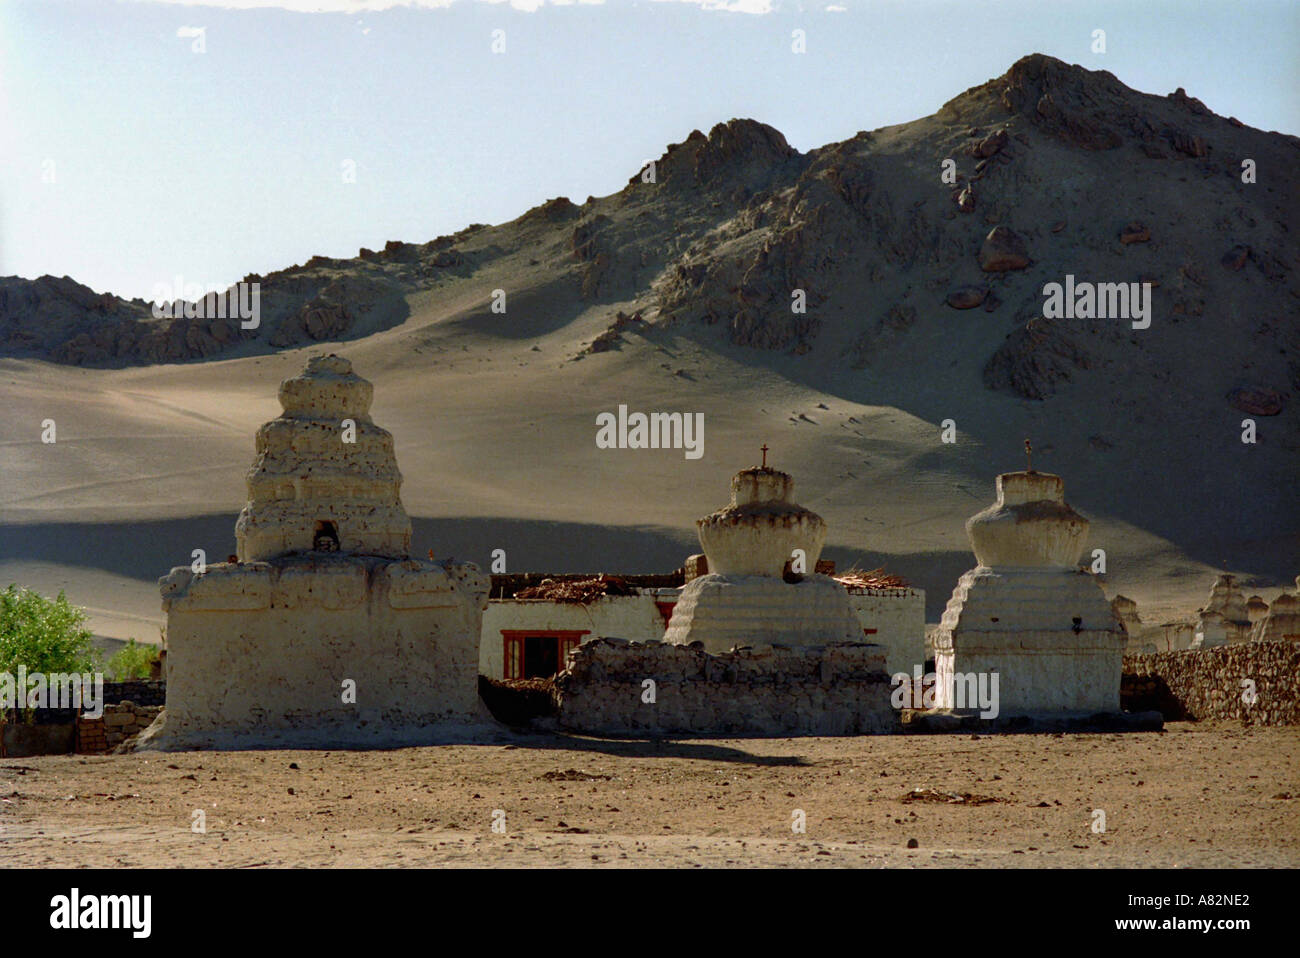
[(127, 159)]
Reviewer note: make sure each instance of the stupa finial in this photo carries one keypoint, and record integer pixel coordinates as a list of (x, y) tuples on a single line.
[(1029, 461), (763, 449)]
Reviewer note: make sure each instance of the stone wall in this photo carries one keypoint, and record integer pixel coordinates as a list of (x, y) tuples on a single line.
[(836, 689), (1207, 683), (119, 722), (139, 691)]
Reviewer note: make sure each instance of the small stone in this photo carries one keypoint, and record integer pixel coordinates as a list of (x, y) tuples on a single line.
[(1135, 233), (1236, 258)]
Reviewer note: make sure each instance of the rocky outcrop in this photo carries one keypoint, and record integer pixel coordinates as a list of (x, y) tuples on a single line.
[(1034, 360), (741, 151), (1066, 102), (612, 337), (1281, 622), (1126, 611)]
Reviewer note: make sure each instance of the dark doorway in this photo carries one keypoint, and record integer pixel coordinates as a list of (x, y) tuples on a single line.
[(326, 538), (541, 656)]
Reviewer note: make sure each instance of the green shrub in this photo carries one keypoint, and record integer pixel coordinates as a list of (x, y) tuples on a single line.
[(45, 635), (132, 661)]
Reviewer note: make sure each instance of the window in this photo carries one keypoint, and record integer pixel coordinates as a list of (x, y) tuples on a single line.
[(537, 653)]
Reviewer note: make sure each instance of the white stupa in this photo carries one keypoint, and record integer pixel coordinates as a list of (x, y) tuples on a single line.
[(324, 632), (1028, 611), (745, 600), (1225, 618), (1281, 623)]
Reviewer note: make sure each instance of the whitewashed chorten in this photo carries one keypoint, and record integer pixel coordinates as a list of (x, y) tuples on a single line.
[(745, 599), (1028, 611), (324, 632)]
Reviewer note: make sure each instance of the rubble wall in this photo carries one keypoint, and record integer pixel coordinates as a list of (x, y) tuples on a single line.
[(835, 689), (1207, 683)]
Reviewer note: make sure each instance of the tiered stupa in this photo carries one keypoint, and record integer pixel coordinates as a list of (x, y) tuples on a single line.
[(1028, 612), (745, 599), (312, 487), (1282, 622), (324, 632), (1225, 618)]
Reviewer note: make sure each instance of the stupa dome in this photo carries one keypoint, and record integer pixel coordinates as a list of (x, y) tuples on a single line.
[(759, 531), (324, 477), (1030, 525)]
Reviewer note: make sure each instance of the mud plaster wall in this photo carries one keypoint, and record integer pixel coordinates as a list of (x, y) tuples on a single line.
[(838, 689), (267, 646), (1207, 683), (898, 616)]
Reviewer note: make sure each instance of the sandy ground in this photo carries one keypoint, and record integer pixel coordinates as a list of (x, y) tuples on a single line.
[(1198, 794)]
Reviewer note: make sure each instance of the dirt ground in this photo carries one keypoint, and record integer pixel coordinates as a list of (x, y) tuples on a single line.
[(1197, 794)]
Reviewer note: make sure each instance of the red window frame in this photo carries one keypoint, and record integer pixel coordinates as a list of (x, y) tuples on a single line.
[(512, 647), (665, 608)]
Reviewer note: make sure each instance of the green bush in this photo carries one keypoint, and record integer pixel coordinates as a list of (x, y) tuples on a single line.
[(132, 661), (45, 635)]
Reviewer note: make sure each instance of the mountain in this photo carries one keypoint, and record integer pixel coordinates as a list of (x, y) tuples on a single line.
[(923, 301)]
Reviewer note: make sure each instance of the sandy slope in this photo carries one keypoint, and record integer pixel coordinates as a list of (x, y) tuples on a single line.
[(494, 418), (497, 446)]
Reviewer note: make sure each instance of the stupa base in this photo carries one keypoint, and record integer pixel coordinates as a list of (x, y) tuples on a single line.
[(321, 650), (723, 612), (1048, 634)]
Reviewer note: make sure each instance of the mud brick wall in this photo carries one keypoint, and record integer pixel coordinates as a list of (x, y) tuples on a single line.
[(1207, 683), (118, 723), (91, 737), (835, 689), (139, 691)]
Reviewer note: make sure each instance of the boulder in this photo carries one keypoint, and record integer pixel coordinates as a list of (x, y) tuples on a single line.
[(991, 144), (967, 297), (1003, 250), (1257, 400)]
